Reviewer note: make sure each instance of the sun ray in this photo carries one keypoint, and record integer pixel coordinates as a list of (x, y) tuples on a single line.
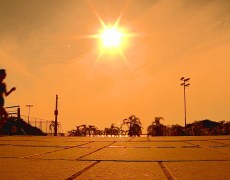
[(122, 13), (112, 39), (97, 15), (123, 57)]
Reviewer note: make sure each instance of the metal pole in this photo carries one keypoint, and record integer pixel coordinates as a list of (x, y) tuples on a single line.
[(19, 112), (40, 125), (46, 125), (29, 106), (185, 84), (56, 114), (185, 119)]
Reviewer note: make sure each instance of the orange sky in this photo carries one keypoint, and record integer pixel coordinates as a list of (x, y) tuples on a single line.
[(44, 52)]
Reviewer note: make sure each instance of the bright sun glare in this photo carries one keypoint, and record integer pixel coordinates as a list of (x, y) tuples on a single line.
[(111, 37)]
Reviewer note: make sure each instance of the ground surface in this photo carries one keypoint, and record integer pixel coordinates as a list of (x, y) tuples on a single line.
[(30, 157)]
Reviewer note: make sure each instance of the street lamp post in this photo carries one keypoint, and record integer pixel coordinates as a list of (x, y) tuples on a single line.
[(185, 84), (29, 106), (56, 115)]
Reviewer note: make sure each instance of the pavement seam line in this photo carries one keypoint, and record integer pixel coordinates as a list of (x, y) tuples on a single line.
[(96, 150), (117, 160), (131, 139), (48, 152), (166, 171), (215, 141), (82, 171)]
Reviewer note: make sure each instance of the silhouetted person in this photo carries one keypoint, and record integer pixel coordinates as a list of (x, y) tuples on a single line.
[(3, 91)]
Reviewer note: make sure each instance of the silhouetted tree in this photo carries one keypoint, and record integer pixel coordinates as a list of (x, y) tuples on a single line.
[(176, 130), (207, 127), (84, 130), (112, 131), (156, 128), (72, 132), (223, 128), (52, 125), (134, 125), (91, 130)]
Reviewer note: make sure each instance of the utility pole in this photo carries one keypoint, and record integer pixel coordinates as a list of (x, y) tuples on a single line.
[(29, 106), (19, 112), (185, 84), (56, 114)]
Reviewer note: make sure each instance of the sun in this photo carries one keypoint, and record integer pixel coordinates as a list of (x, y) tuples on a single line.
[(111, 37)]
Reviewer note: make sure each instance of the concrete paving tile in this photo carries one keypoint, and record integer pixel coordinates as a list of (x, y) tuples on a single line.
[(223, 142), (67, 154), (224, 150), (51, 157), (183, 138), (74, 153), (154, 144), (78, 138), (167, 138), (131, 144), (200, 170), (157, 154), (95, 138), (124, 170), (41, 143), (26, 138), (18, 151), (96, 144), (203, 143), (107, 138), (139, 139), (221, 137), (176, 144), (27, 169)]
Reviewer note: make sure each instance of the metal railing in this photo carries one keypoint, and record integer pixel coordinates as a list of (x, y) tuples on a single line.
[(40, 123), (13, 110)]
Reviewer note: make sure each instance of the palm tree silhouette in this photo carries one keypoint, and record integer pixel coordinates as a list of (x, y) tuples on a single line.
[(156, 128), (134, 125), (176, 130), (112, 131), (84, 130), (52, 125)]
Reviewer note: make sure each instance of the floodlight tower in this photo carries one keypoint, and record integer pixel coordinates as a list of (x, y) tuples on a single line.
[(56, 115), (185, 84)]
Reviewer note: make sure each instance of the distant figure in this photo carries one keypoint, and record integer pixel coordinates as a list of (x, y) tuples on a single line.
[(3, 91)]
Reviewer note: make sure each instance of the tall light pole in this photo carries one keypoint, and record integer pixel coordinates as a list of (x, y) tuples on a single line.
[(185, 84), (56, 115), (29, 106)]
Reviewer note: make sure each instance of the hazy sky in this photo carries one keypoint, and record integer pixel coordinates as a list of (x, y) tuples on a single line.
[(43, 47)]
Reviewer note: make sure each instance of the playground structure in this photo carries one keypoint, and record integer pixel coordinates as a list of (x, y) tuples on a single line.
[(44, 125), (14, 111)]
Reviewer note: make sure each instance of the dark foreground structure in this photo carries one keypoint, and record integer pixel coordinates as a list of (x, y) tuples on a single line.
[(46, 157), (17, 126)]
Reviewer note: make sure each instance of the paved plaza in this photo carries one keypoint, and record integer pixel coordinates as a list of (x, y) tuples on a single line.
[(37, 157)]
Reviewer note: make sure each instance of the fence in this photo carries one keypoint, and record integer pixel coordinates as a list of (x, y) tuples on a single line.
[(45, 125)]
